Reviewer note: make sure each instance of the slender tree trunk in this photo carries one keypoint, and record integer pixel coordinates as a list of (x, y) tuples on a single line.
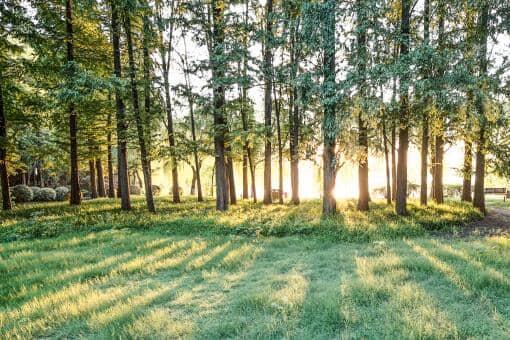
[(193, 181), (425, 118), (268, 102), (403, 135), (280, 146), (252, 173), (230, 177), (93, 187), (4, 177), (467, 171), (111, 185), (386, 161), (329, 122), (438, 169), (122, 166), (75, 197), (218, 72), (100, 178), (364, 196), (294, 121), (146, 166), (393, 161), (195, 153)]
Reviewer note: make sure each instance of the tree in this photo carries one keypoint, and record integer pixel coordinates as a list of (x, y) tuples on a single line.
[(268, 81), (122, 166)]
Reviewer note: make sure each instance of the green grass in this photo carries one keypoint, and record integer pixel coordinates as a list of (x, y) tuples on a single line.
[(136, 276), (497, 202), (41, 220)]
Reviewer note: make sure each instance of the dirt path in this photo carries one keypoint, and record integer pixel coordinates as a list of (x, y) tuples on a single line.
[(497, 222)]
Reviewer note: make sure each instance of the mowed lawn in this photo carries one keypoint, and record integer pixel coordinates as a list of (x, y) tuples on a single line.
[(278, 272)]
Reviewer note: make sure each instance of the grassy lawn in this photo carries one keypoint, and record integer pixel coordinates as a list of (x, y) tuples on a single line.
[(255, 272)]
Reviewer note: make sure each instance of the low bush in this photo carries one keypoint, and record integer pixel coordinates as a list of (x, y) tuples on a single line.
[(22, 193), (45, 195), (62, 193)]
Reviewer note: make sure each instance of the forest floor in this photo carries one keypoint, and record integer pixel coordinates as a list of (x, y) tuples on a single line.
[(254, 272)]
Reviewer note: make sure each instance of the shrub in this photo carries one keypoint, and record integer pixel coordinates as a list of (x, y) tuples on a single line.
[(86, 194), (135, 190), (46, 195), (35, 191), (156, 190), (62, 193), (22, 193)]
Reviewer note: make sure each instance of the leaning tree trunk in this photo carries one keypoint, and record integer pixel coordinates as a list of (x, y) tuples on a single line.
[(329, 120), (4, 177), (146, 166), (122, 166), (75, 197), (268, 102), (403, 134)]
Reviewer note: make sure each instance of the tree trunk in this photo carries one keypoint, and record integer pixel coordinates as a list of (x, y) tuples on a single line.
[(467, 171), (146, 165), (4, 177), (100, 178), (75, 197), (403, 135), (231, 178), (111, 185), (438, 169), (393, 162), (294, 121), (122, 166), (483, 31), (195, 153), (268, 102), (364, 196), (386, 162), (329, 122), (425, 118), (218, 73), (93, 187), (193, 181), (280, 146)]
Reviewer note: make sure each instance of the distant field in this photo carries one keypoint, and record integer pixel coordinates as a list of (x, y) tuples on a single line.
[(94, 273)]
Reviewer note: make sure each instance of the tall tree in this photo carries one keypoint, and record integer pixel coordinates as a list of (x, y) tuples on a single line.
[(329, 125), (75, 197), (4, 176), (122, 166), (268, 80), (142, 141), (403, 130), (425, 117)]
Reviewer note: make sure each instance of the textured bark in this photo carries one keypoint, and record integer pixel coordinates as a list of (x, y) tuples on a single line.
[(75, 196), (267, 55), (438, 169), (218, 73), (425, 118), (142, 141), (111, 185), (329, 120), (4, 177), (483, 31), (122, 168), (92, 170), (403, 134), (100, 178), (467, 171)]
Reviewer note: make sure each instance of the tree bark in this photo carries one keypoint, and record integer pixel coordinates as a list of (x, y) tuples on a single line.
[(329, 121), (4, 177), (92, 170), (386, 161), (294, 121), (75, 196), (100, 178), (403, 135), (467, 171), (483, 31), (280, 146), (218, 73), (146, 165), (122, 166), (111, 185), (425, 118), (438, 169), (268, 102)]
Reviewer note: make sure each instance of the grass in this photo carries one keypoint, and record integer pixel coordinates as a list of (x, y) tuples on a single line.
[(220, 279), (41, 220)]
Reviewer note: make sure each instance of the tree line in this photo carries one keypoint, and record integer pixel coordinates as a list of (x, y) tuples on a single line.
[(84, 81)]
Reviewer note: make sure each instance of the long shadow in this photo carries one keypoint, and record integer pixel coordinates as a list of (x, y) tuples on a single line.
[(83, 294), (461, 293)]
